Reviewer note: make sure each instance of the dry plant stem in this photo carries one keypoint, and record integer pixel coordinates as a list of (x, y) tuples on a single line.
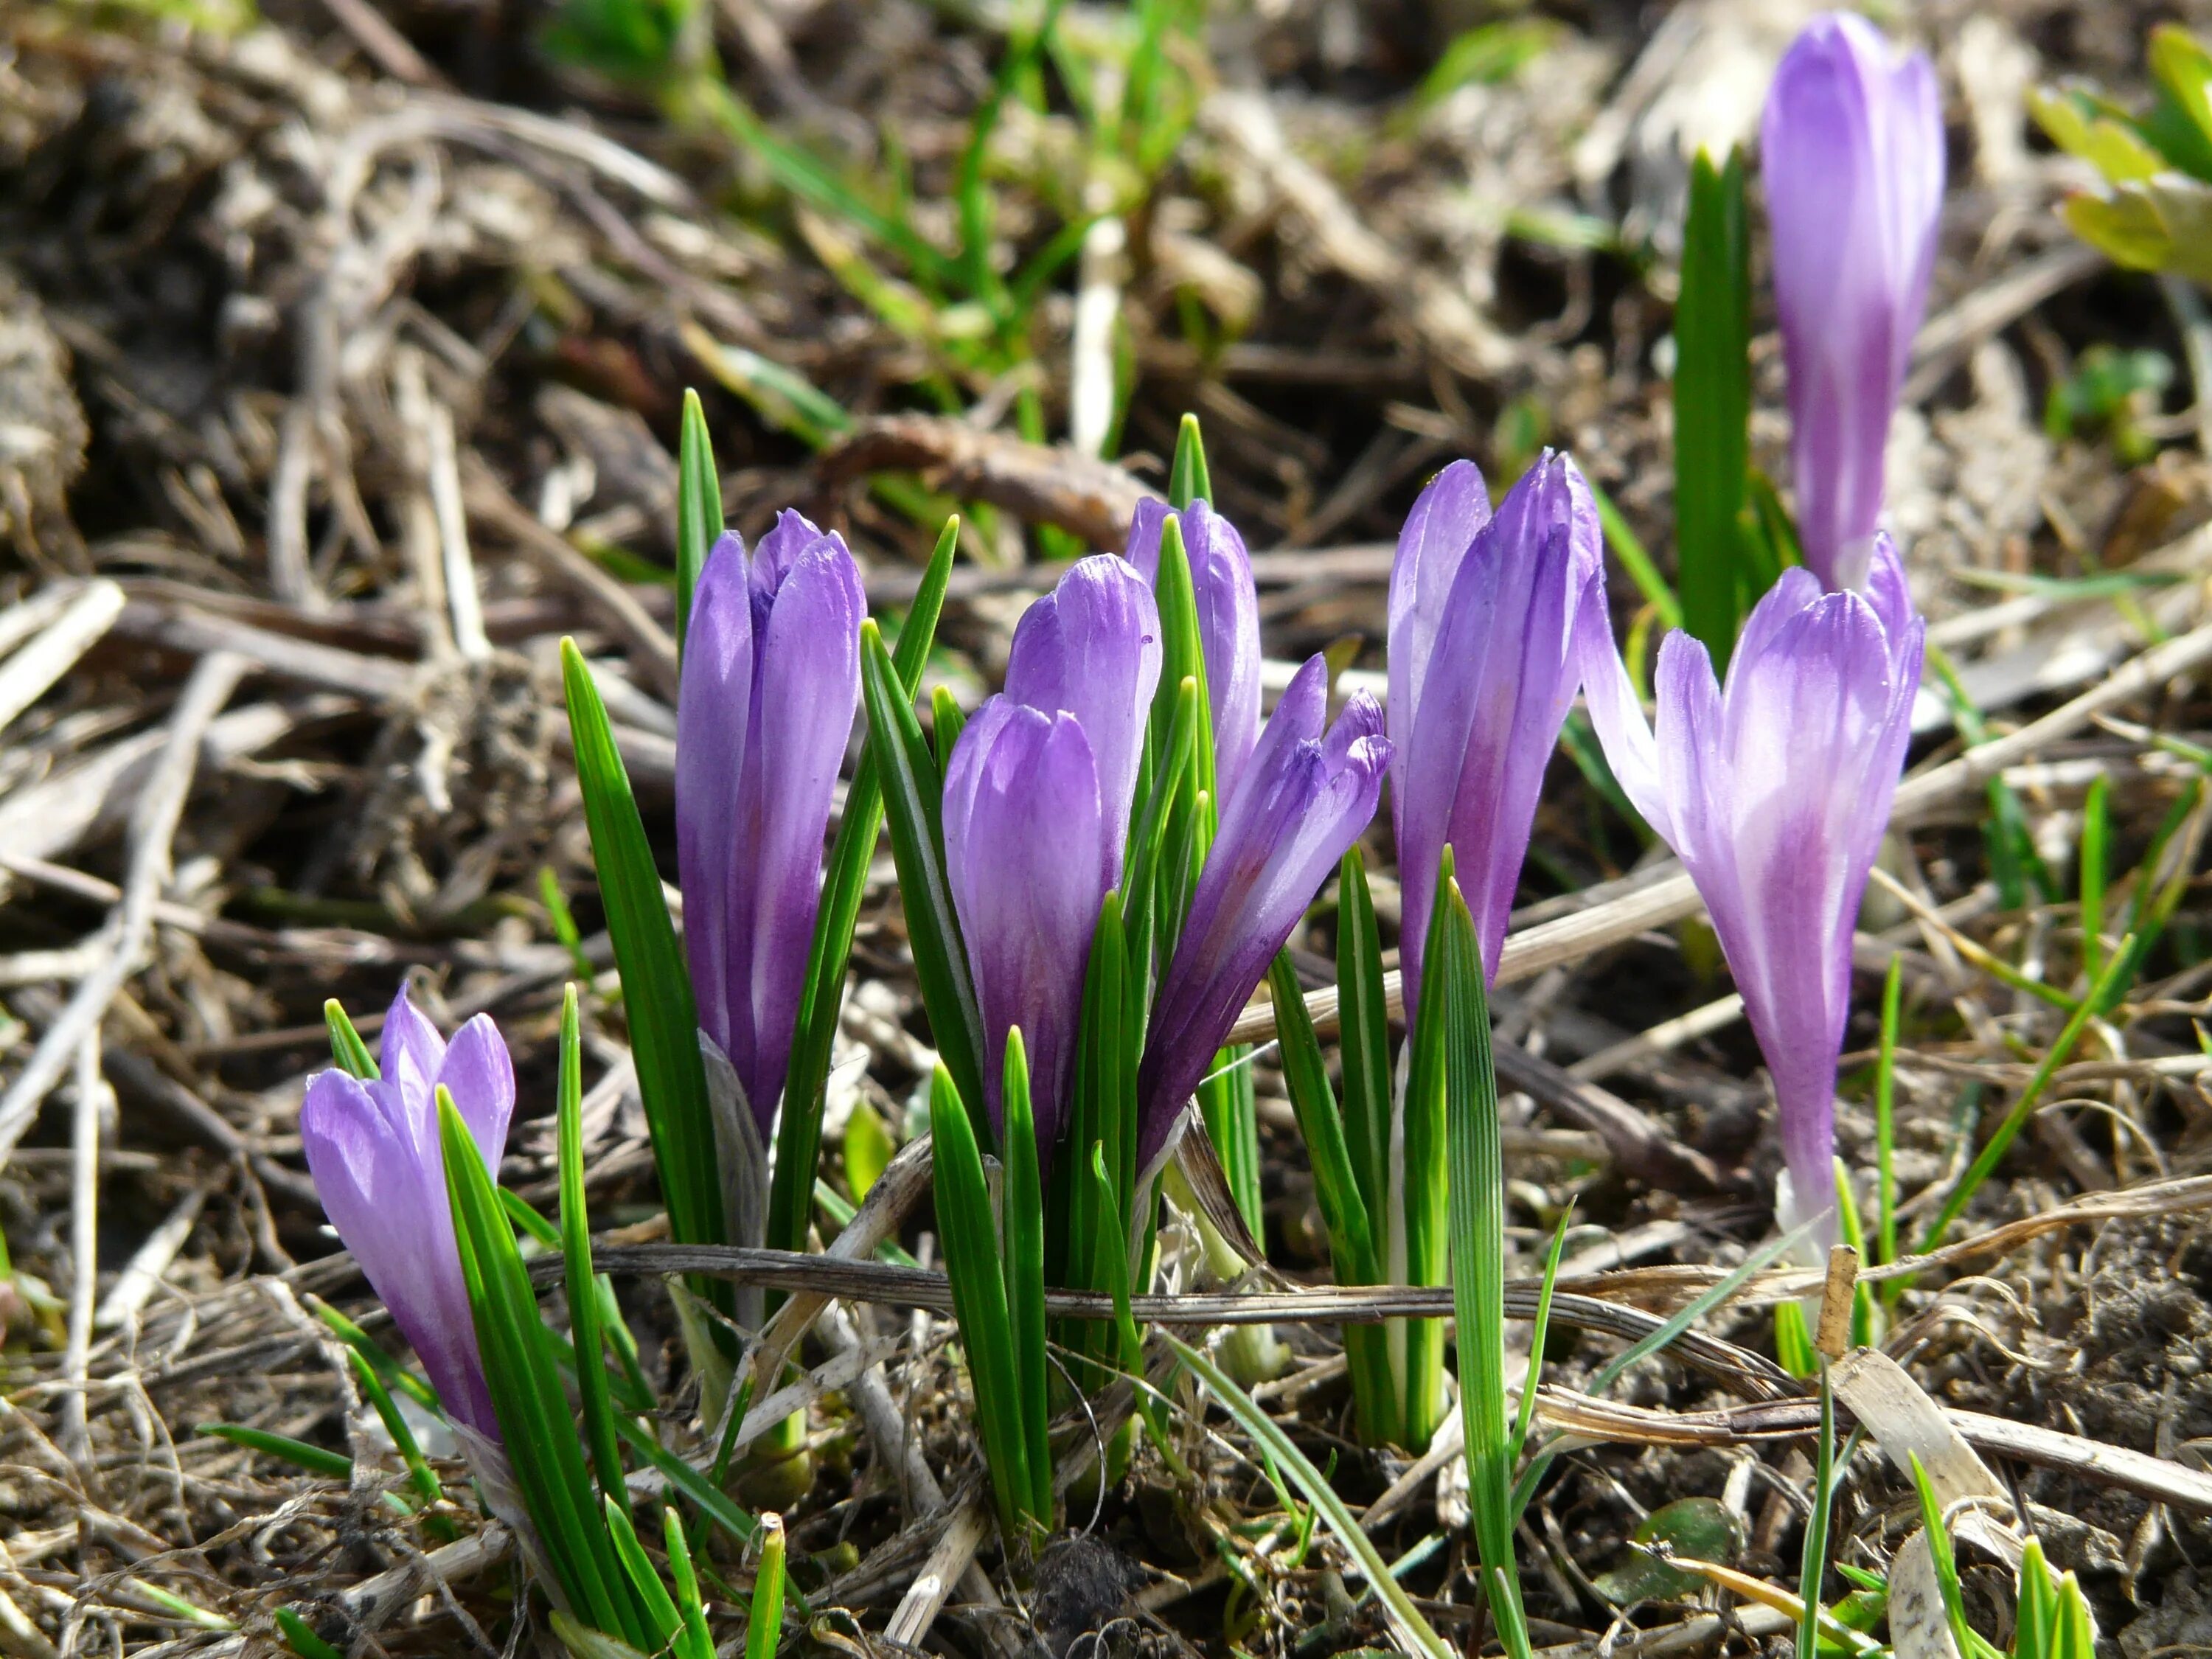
[(948, 1562), (153, 829), (27, 675)]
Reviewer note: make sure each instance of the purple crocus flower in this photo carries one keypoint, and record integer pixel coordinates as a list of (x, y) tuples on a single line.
[(1775, 790), (1037, 811), (771, 678), (1305, 797), (1484, 614), (1852, 153), (373, 1151), (1228, 623)]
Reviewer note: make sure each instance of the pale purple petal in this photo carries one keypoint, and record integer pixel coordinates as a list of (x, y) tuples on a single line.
[(806, 687), (1489, 689), (1432, 547), (409, 1052), (1092, 648), (1852, 155), (1027, 851), (1301, 802), (479, 1074), (714, 717), (1228, 605)]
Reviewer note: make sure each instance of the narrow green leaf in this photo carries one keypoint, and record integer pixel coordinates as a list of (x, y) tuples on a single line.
[(315, 1460), (764, 1626), (1023, 1231), (1642, 570), (695, 1642), (664, 1023), (798, 1131), (576, 1251), (564, 922), (698, 506), (1813, 1567), (370, 1353), (423, 1478), (2095, 836), (1188, 478), (528, 1398), (1885, 1111), (1336, 1184), (1182, 654), (301, 1639), (945, 724), (1363, 1034), (347, 1048), (2035, 1615), (1419, 1635), (912, 788), (1939, 1550), (1713, 404), (1540, 1331), (711, 1500), (978, 1302), (1476, 1206), (657, 1607), (1424, 1197)]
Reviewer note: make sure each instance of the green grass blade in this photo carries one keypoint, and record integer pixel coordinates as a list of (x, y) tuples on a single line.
[(1423, 1197), (912, 791), (655, 1602), (1477, 1206), (946, 723), (1363, 1034), (695, 1642), (798, 1131), (764, 1623), (315, 1460), (1416, 1631), (664, 1023), (1885, 1111), (370, 1353), (978, 1302), (2095, 835), (1336, 1183), (347, 1048), (1813, 1564), (2035, 1612), (711, 1500), (300, 1639), (1712, 404), (527, 1397), (1540, 1330), (698, 506), (1946, 1564), (585, 1334), (419, 1472), (1023, 1232), (1188, 478), (2016, 1119), (1182, 654), (1635, 559)]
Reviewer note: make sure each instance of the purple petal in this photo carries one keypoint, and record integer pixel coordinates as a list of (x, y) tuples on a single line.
[(1228, 623), (479, 1074), (806, 686), (1092, 648), (1027, 852), (1491, 691), (713, 715), (1301, 802), (388, 1202), (1852, 153), (1432, 547)]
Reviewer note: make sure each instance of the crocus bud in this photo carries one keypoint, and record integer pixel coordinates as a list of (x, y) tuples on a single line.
[(1774, 791), (1228, 623), (1036, 811), (1483, 619), (1304, 797), (771, 678), (372, 1148), (1852, 153)]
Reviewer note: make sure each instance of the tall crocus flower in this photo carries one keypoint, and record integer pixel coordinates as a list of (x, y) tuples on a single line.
[(771, 678), (1036, 815), (1305, 797), (1484, 618), (373, 1151), (1775, 790), (1228, 623), (1852, 153)]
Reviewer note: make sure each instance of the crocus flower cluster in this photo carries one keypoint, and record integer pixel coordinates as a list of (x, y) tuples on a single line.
[(1774, 790), (771, 678), (1485, 613), (1037, 799), (1852, 153), (374, 1149)]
